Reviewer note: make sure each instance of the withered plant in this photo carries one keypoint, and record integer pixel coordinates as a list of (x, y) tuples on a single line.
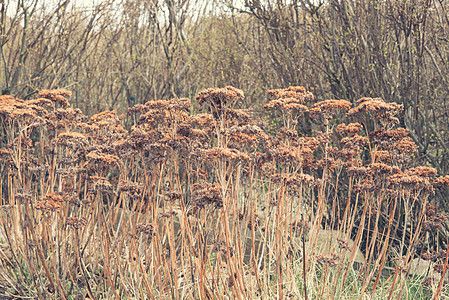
[(215, 204)]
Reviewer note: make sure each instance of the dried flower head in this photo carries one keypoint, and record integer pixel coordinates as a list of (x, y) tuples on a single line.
[(76, 223), (393, 135), (406, 146), (298, 93), (233, 117), (145, 228), (23, 196), (435, 222), (104, 118), (428, 281), (350, 129), (255, 224), (380, 169), (382, 156), (167, 215), (207, 193), (132, 189), (331, 260), (182, 104), (326, 108), (58, 96), (102, 159), (381, 110), (411, 182), (427, 256), (173, 196), (220, 246), (300, 226), (431, 210), (220, 98), (442, 181), (439, 268), (50, 203), (71, 139), (68, 115), (100, 185), (422, 171), (343, 245), (220, 153), (292, 105), (42, 102)]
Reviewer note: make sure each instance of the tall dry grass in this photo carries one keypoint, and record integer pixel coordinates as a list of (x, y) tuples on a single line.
[(212, 206)]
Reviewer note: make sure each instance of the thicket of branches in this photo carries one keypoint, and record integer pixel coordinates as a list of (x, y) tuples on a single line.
[(122, 52)]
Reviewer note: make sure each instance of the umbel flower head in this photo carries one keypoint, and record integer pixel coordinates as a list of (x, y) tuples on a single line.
[(58, 96), (350, 129), (50, 203), (381, 110), (207, 193), (220, 98), (76, 223), (71, 139), (327, 108), (298, 93), (291, 99), (29, 111)]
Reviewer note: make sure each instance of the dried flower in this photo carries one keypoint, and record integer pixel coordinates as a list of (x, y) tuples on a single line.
[(219, 153), (330, 259), (300, 226), (427, 256), (220, 246), (293, 105), (343, 245), (255, 224), (219, 98), (381, 110), (428, 281), (71, 139), (76, 223), (100, 184), (298, 93), (101, 158), (172, 104), (173, 196), (406, 145), (350, 129), (381, 169), (326, 108), (435, 222), (207, 193), (145, 228), (23, 196), (132, 189), (167, 214), (50, 203), (442, 181), (58, 96)]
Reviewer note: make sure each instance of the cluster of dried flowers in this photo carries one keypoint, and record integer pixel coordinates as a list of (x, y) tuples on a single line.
[(58, 159), (164, 129)]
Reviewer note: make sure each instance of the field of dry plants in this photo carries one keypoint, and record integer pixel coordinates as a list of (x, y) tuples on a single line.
[(165, 203)]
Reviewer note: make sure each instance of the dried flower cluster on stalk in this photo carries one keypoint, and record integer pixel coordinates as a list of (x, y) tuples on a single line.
[(100, 186)]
